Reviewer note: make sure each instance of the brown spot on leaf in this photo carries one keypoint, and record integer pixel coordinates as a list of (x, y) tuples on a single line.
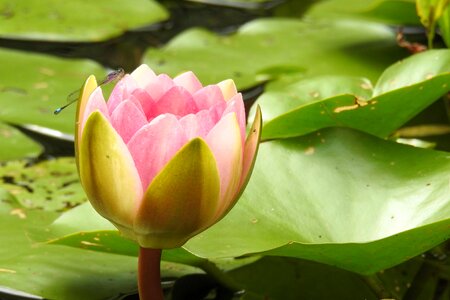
[(309, 151), (47, 71), (315, 94), (366, 85), (90, 243), (7, 271), (40, 85), (345, 108), (18, 212)]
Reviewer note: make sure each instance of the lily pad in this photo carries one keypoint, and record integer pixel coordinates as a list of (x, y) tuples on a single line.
[(357, 203), (82, 227), (371, 209), (402, 91), (272, 277), (77, 20), (400, 12), (49, 185), (276, 45), (58, 272), (32, 86), (14, 145)]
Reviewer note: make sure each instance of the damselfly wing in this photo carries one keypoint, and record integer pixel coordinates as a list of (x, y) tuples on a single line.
[(73, 97)]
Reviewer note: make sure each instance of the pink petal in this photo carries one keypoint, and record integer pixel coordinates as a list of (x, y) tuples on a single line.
[(143, 75), (159, 86), (96, 102), (189, 81), (197, 125), (177, 101), (236, 105), (127, 118), (121, 91), (136, 102), (217, 110), (147, 103), (154, 145), (208, 96), (228, 89), (250, 151), (225, 142)]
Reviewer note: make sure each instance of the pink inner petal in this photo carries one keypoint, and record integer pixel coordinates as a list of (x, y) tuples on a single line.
[(197, 125), (236, 105), (121, 91), (159, 86), (143, 75), (228, 89), (225, 142), (127, 118), (96, 102), (177, 101), (189, 81), (154, 145), (136, 102), (147, 103), (208, 96), (217, 110)]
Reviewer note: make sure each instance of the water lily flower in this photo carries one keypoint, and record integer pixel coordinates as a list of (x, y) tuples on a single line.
[(163, 159)]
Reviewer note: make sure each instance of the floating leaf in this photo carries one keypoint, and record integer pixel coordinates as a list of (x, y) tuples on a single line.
[(338, 197), (402, 91), (40, 84), (14, 145), (400, 12), (316, 48), (58, 272), (49, 185), (76, 20)]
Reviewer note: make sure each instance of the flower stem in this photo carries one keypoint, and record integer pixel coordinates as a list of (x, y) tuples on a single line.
[(149, 278)]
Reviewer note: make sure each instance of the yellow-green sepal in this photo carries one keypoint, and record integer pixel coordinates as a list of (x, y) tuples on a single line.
[(89, 86), (107, 172), (250, 152), (181, 199)]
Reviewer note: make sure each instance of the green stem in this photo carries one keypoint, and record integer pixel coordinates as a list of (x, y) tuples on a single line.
[(220, 276), (149, 278)]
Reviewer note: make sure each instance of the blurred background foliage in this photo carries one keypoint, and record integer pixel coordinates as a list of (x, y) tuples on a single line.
[(338, 207)]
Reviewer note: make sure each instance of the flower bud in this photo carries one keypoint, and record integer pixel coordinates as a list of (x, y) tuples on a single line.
[(163, 159)]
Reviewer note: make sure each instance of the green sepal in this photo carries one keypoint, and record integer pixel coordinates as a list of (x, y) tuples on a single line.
[(181, 200), (107, 171)]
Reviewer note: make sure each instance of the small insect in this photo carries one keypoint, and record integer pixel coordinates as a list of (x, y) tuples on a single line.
[(73, 97)]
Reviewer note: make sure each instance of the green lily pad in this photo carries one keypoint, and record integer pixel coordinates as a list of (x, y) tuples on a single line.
[(401, 12), (271, 277), (307, 105), (14, 145), (75, 21), (49, 185), (82, 227), (58, 272), (371, 209), (278, 45), (32, 86), (357, 203)]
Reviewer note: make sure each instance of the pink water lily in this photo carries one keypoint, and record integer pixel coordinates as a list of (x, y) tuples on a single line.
[(163, 159)]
